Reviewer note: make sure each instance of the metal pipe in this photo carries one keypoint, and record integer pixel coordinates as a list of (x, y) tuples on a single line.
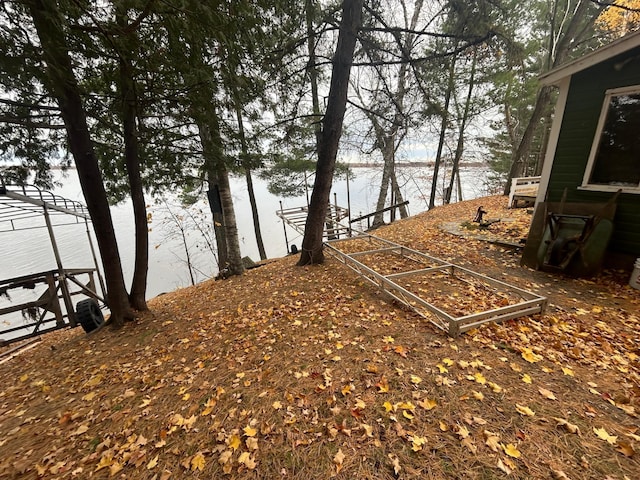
[(62, 276), (284, 224), (95, 262)]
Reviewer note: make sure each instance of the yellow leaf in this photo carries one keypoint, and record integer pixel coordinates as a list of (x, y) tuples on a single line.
[(152, 464), (186, 396), (406, 414), (277, 405), (388, 339), (387, 406), (94, 381), (346, 390), (89, 396), (442, 368), (249, 431), (114, 468), (105, 460), (382, 385), (511, 450), (567, 371), (523, 410), (548, 394), (530, 356), (24, 377), (515, 367), (209, 406), (417, 443), (602, 434), (234, 441), (197, 462), (477, 395), (415, 379), (448, 362), (428, 404), (479, 378), (526, 378), (443, 426)]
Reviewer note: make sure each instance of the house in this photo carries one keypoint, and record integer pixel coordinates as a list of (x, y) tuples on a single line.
[(594, 145)]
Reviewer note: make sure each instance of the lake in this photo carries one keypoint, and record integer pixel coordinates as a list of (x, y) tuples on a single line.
[(29, 251)]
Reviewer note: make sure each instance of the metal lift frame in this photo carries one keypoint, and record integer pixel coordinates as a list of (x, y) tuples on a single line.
[(20, 204), (529, 303)]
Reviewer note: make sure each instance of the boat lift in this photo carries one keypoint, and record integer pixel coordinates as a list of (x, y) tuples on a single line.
[(26, 207), (425, 284)]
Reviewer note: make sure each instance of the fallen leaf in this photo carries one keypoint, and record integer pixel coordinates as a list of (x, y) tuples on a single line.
[(567, 371), (338, 459), (249, 431), (504, 468), (524, 410), (152, 463), (234, 442), (626, 449), (569, 426), (395, 463), (530, 356), (526, 378), (511, 450), (427, 404), (548, 394), (602, 434), (492, 440)]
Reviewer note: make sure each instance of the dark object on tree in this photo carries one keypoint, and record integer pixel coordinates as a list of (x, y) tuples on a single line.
[(479, 213), (294, 249), (248, 263), (89, 314)]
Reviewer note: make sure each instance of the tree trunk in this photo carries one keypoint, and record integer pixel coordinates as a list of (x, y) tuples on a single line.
[(522, 152), (558, 53), (463, 125), (249, 179), (313, 71), (397, 194), (216, 169), (137, 295), (388, 157), (236, 267), (331, 132), (443, 131), (64, 87)]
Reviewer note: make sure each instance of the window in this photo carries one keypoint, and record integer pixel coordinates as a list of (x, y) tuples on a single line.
[(614, 162)]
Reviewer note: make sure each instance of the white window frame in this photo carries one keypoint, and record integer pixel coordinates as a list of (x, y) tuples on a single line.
[(633, 89)]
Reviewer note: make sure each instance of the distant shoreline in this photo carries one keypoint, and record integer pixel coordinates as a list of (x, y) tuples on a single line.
[(412, 164)]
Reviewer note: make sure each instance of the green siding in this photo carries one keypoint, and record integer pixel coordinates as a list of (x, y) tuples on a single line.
[(584, 102)]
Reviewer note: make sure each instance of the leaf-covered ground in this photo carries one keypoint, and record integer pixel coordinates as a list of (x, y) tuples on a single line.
[(310, 373)]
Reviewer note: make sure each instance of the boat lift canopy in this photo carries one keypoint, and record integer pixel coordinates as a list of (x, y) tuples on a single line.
[(26, 207)]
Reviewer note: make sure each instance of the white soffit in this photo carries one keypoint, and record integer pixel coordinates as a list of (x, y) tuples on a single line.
[(621, 45)]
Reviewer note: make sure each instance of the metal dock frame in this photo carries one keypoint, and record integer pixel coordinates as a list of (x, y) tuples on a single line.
[(529, 303)]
